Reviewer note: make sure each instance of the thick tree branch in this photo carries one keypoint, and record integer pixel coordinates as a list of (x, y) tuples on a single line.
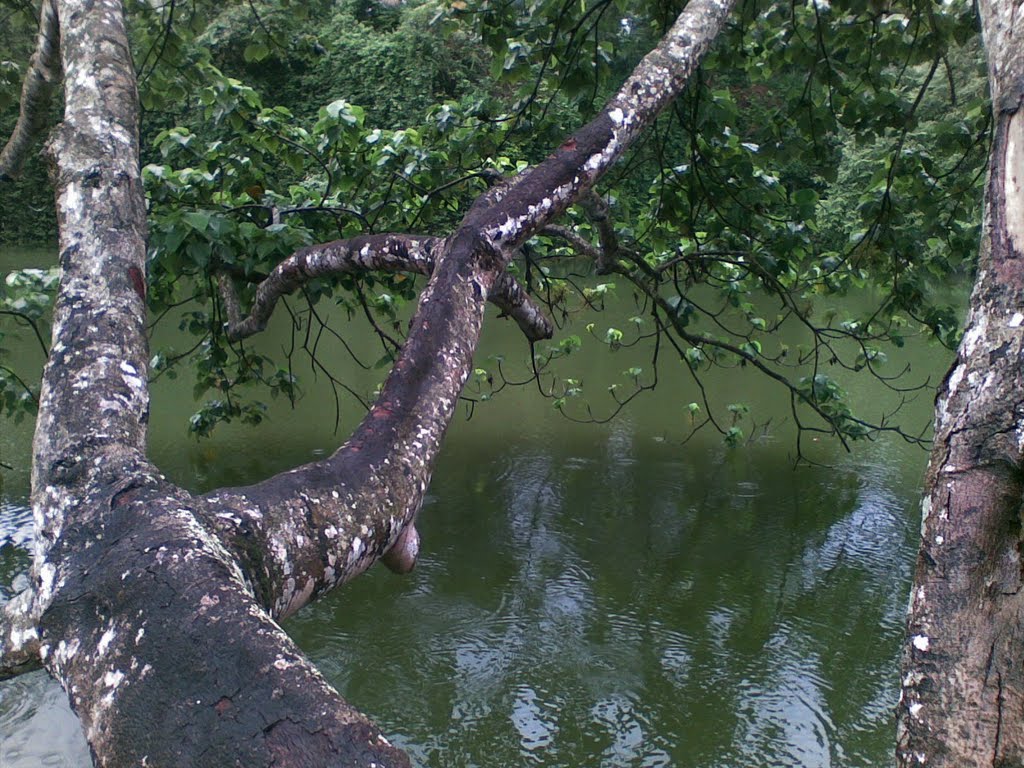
[(541, 194), (368, 253), (40, 82), (307, 530), (145, 618), (508, 295)]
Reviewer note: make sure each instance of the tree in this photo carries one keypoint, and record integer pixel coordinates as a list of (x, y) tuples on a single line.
[(135, 579), (963, 669)]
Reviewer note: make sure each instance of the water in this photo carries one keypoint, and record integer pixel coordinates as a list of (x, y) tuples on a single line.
[(586, 595)]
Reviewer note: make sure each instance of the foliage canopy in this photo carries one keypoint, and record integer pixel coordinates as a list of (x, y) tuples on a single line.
[(822, 149)]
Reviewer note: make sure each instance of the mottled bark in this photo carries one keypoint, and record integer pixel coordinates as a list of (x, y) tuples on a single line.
[(36, 92), (962, 701), (157, 610)]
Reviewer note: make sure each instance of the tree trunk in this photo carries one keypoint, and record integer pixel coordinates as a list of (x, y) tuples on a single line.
[(962, 701), (156, 609)]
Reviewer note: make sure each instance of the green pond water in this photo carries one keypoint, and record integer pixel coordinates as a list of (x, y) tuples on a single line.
[(587, 595)]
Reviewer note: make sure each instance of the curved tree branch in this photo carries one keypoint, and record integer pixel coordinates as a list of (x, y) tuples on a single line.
[(575, 240), (120, 620), (40, 81), (317, 526), (367, 253)]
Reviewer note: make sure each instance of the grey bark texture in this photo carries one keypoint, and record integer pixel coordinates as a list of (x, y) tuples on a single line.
[(156, 609), (962, 698)]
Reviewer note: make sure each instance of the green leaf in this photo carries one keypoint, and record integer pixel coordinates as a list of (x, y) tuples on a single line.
[(197, 220), (255, 51)]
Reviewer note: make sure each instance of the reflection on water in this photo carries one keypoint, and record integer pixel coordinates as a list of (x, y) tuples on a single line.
[(610, 603), (37, 726), (700, 610)]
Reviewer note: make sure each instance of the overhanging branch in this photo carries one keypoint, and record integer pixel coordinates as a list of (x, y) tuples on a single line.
[(367, 253), (307, 530), (40, 81), (574, 239)]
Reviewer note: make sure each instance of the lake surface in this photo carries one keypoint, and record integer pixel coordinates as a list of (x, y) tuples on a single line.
[(587, 595)]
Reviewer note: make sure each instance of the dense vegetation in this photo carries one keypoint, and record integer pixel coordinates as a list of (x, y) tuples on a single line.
[(822, 149)]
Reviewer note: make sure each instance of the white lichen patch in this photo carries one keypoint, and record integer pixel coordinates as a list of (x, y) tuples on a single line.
[(956, 377), (112, 406), (976, 333), (130, 376), (47, 574), (599, 159), (281, 663), (113, 678), (65, 652), (105, 640), (21, 636), (208, 601), (912, 679), (507, 229), (71, 200), (232, 518)]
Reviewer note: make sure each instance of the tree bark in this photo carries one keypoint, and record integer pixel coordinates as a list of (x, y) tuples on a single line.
[(962, 701), (156, 609)]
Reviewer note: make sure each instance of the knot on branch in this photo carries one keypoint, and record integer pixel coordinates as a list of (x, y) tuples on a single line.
[(401, 556)]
